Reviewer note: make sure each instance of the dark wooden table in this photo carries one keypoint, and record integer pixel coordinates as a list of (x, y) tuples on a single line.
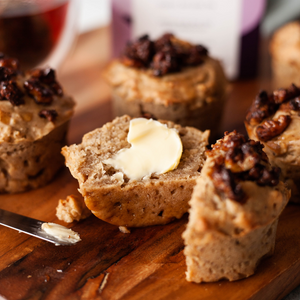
[(148, 263)]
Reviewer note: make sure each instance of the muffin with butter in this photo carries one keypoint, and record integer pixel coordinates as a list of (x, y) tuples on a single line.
[(138, 172), (34, 115), (168, 79), (234, 211), (274, 120)]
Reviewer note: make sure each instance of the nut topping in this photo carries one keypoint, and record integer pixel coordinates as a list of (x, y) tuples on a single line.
[(165, 55), (272, 128), (238, 159), (139, 53), (9, 90), (42, 85), (39, 92), (265, 105), (49, 114)]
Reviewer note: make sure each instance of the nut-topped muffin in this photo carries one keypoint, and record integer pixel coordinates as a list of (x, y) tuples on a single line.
[(169, 79), (234, 211), (274, 120), (34, 115)]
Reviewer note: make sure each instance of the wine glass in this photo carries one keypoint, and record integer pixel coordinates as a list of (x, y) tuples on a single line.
[(37, 32)]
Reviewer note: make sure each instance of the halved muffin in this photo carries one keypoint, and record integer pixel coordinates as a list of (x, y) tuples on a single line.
[(115, 197)]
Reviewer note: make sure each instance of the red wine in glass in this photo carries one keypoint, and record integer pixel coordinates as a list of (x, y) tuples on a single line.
[(30, 32)]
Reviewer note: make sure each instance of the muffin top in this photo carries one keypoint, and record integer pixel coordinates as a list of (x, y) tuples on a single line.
[(167, 71), (32, 103), (271, 114)]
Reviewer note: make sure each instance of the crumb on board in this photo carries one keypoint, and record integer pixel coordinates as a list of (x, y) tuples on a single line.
[(124, 229), (72, 209)]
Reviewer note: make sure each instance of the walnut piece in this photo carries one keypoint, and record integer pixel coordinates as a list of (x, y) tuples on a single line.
[(239, 159), (272, 128), (49, 114), (72, 209), (9, 90), (165, 55), (265, 105)]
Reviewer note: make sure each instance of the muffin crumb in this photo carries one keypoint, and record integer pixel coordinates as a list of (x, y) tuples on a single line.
[(72, 209)]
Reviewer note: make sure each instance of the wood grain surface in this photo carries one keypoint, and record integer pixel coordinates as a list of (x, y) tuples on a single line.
[(148, 263)]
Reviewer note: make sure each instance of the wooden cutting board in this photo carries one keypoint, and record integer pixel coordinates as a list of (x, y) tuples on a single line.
[(148, 263)]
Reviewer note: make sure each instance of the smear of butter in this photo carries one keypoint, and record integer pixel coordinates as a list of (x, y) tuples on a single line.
[(60, 232), (155, 148)]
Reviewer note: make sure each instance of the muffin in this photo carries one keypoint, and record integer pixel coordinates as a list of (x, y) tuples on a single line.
[(274, 120), (234, 211), (123, 200), (285, 54), (34, 115), (168, 79)]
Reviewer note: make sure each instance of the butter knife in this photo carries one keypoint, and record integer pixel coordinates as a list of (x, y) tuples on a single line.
[(51, 232)]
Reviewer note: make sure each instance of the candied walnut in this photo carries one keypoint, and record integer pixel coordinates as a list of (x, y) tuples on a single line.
[(269, 177), (6, 73), (238, 159), (245, 157), (165, 55), (49, 114), (39, 92), (282, 95), (9, 63), (224, 182), (139, 53), (262, 107), (195, 55), (164, 40), (9, 90), (294, 104), (165, 61), (48, 77), (272, 128)]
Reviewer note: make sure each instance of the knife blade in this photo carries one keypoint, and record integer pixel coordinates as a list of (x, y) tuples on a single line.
[(31, 226)]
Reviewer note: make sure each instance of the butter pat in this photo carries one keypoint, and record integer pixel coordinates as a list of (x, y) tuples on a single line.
[(60, 232), (155, 149)]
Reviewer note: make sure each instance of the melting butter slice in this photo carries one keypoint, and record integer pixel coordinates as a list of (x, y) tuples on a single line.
[(155, 148)]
